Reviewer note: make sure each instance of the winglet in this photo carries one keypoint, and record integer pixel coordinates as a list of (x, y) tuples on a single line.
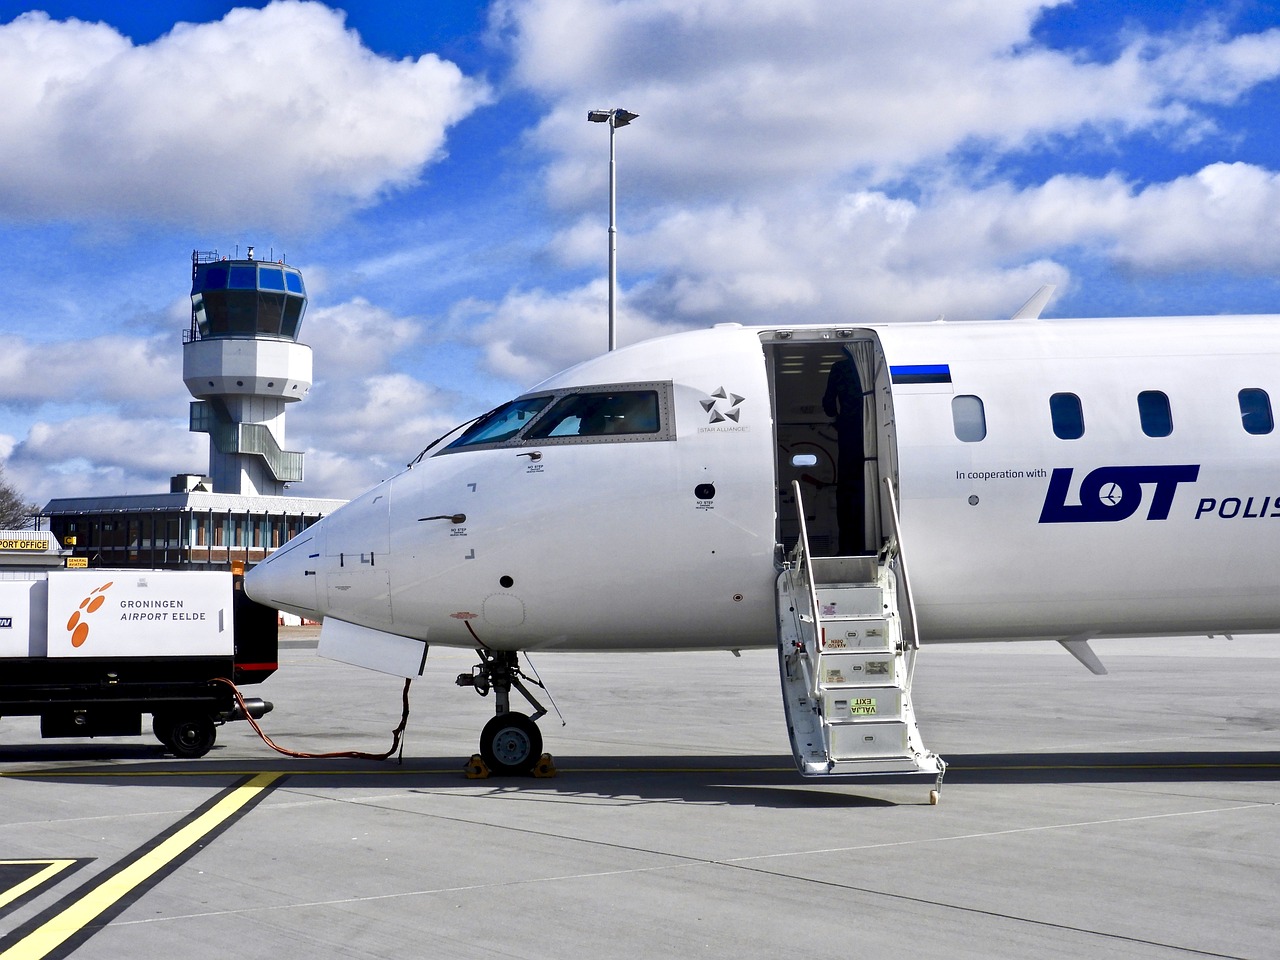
[(1079, 648), (1031, 309)]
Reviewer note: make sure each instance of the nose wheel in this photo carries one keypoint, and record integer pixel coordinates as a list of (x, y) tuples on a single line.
[(511, 743)]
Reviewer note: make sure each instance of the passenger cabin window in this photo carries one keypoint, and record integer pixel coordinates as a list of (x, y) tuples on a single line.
[(1068, 416), (1153, 410), (501, 424), (968, 418), (600, 414), (1255, 411)]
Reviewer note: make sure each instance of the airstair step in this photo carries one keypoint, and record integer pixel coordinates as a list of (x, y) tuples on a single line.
[(861, 705), (844, 569), (860, 668), (850, 601), (912, 764), (865, 634), (868, 741)]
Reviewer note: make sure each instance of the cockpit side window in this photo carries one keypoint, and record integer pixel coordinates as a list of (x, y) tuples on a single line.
[(503, 423), (600, 414)]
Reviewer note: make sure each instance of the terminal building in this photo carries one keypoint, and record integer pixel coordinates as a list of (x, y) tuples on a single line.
[(243, 363)]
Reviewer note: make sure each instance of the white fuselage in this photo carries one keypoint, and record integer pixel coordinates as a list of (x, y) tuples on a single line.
[(1030, 558), (673, 538)]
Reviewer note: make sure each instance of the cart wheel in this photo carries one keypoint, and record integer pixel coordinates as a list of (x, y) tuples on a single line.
[(187, 736), (161, 727)]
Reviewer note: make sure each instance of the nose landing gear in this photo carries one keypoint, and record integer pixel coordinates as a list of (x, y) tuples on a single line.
[(511, 743)]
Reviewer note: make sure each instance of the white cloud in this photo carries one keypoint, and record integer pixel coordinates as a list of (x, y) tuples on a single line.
[(871, 257), (382, 428), (103, 454), (738, 98), (135, 439), (530, 335), (331, 473), (362, 430), (1208, 66), (862, 256), (865, 256), (127, 371), (1220, 218), (364, 419), (388, 414), (152, 445), (755, 185), (281, 111), (355, 338)]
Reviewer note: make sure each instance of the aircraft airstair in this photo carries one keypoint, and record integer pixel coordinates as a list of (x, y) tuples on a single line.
[(847, 664)]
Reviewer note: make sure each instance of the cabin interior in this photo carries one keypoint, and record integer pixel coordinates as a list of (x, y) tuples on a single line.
[(807, 443)]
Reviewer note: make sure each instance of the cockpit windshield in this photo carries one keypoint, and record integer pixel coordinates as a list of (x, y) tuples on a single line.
[(503, 423), (590, 414)]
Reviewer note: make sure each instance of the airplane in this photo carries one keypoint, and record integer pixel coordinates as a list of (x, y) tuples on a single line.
[(1022, 479)]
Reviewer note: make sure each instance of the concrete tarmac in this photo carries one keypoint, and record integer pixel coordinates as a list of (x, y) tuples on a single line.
[(1121, 816)]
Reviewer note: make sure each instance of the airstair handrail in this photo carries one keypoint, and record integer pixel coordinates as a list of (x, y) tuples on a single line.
[(902, 562), (802, 547)]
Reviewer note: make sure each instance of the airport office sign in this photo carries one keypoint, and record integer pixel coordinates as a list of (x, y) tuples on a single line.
[(25, 544)]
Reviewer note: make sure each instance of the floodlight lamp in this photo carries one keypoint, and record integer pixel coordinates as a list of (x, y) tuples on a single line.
[(622, 117), (598, 116)]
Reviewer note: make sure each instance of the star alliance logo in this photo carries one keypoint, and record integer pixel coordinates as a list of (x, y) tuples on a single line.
[(722, 406)]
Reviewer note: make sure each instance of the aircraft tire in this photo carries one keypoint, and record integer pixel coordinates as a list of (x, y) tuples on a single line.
[(511, 744), (187, 736)]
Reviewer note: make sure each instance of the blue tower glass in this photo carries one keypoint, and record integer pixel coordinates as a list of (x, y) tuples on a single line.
[(247, 298)]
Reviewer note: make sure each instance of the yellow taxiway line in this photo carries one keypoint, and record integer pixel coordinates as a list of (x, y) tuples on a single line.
[(73, 920), (18, 891)]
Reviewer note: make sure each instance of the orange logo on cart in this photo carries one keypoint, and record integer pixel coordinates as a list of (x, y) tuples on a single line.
[(78, 625)]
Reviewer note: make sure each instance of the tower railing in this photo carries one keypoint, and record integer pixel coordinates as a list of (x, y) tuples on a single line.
[(285, 465), (252, 438)]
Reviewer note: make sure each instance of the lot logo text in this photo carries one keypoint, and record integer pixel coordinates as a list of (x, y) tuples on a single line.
[(1111, 494)]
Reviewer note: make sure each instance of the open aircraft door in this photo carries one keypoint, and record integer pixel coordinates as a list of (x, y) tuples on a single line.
[(846, 630)]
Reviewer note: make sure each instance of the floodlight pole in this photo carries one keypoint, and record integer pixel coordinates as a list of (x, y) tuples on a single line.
[(616, 117), (613, 240)]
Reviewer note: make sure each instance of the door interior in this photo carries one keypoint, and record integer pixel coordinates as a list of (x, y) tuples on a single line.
[(807, 442)]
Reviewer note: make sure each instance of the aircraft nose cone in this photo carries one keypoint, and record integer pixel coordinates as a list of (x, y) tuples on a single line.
[(288, 579)]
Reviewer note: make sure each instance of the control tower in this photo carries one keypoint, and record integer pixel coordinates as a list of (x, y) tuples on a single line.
[(243, 363)]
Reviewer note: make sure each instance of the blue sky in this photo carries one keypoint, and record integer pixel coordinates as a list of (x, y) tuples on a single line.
[(430, 169)]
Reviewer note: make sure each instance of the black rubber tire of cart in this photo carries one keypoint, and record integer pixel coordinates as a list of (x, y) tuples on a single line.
[(160, 727), (186, 735)]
